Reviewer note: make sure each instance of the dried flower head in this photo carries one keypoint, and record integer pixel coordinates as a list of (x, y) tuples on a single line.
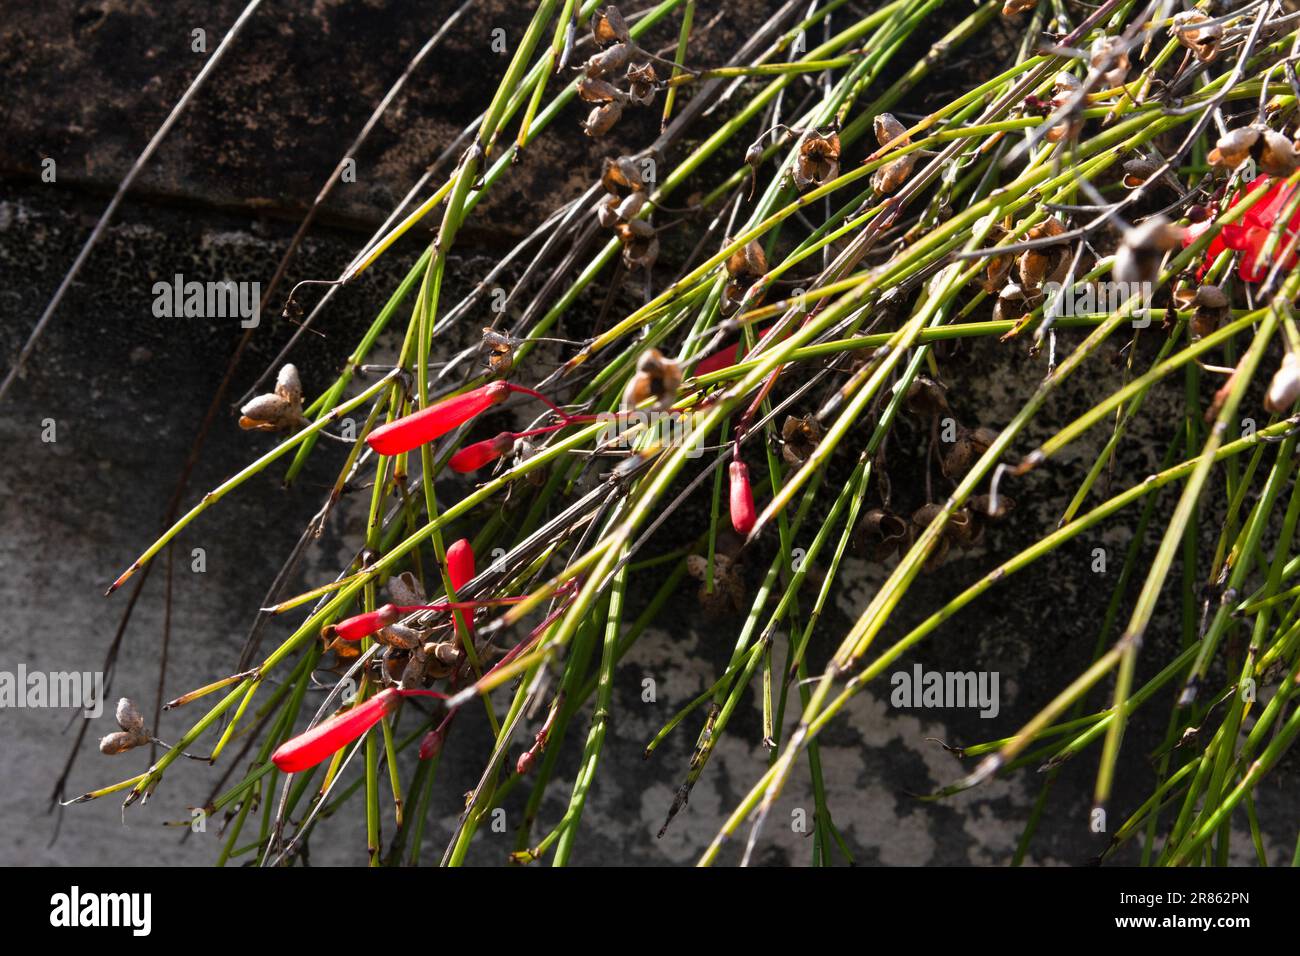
[(278, 410), (641, 83), (818, 161), (1188, 29), (640, 244), (657, 377), (889, 178), (1142, 249), (608, 26), (799, 438), (1273, 153)]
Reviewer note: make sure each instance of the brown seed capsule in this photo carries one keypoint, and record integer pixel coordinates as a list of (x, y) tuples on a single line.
[(1047, 263), (747, 262), (640, 244), (631, 205), (818, 161), (1110, 52), (799, 438), (1015, 7), (602, 119), (962, 528), (1143, 247), (120, 741), (880, 533), (278, 410), (890, 178), (728, 594), (926, 397), (593, 90), (1137, 172), (608, 26), (1273, 152), (1064, 88), (1203, 41), (655, 376), (395, 665), (621, 176), (1284, 389), (129, 717), (609, 61), (1211, 307), (607, 211), (641, 83), (501, 358), (1015, 302)]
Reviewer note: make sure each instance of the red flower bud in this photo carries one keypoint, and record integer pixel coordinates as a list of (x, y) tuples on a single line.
[(460, 563), (742, 499), (328, 737), (435, 421), (525, 762), (431, 745), (475, 456), (363, 625)]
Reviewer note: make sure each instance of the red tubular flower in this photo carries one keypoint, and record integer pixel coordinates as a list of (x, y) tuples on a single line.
[(363, 625), (1249, 235), (435, 421), (743, 515), (475, 456), (328, 737)]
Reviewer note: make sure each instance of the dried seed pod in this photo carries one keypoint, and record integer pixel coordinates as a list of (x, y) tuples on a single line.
[(1284, 389), (927, 397), (501, 351), (818, 161), (607, 211), (1015, 302), (881, 533), (289, 386), (1143, 247), (641, 83), (1211, 308), (129, 717), (733, 293), (621, 176), (632, 205), (609, 60), (1047, 263), (602, 119), (1273, 152), (1203, 41), (1112, 50), (1234, 147), (799, 438), (962, 528), (657, 377), (1138, 171), (1016, 7), (889, 178), (120, 741), (400, 637), (640, 244), (728, 594), (595, 90), (749, 261), (395, 664), (608, 26), (1064, 88)]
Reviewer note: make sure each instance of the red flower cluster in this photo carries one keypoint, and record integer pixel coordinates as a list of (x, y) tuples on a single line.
[(1250, 234)]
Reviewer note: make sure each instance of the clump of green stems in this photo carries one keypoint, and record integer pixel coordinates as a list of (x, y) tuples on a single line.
[(882, 280)]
